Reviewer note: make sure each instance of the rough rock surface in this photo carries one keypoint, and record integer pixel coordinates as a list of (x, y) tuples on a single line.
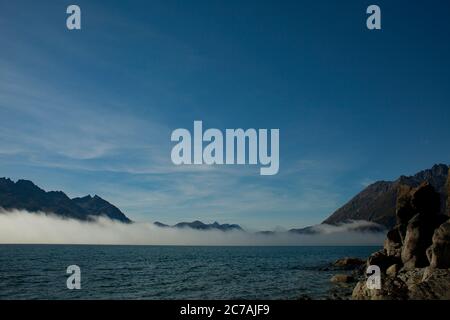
[(435, 285), (418, 238), (394, 240), (349, 262), (415, 260), (447, 189), (393, 270), (344, 278), (392, 289), (439, 252), (382, 260)]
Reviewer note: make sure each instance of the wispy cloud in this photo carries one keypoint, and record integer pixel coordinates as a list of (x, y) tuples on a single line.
[(56, 130), (72, 111)]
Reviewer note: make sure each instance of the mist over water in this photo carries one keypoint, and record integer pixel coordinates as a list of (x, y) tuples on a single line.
[(21, 227), (143, 261)]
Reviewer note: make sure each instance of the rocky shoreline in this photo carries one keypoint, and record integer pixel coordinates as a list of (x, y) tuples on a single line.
[(415, 259)]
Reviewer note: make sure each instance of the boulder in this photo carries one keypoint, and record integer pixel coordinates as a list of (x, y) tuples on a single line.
[(342, 278), (415, 284), (382, 260), (415, 261), (393, 270), (418, 238), (349, 263), (425, 199), (392, 288), (447, 189), (411, 201), (411, 277), (404, 210), (439, 252), (393, 242), (434, 286)]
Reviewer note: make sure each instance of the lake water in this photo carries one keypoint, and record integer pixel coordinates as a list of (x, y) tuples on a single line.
[(170, 272)]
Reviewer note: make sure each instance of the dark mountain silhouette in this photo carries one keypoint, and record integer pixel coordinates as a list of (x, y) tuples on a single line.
[(161, 225), (198, 225), (377, 202), (25, 195), (97, 206), (364, 228)]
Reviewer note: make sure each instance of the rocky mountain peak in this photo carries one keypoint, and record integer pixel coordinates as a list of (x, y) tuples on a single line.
[(25, 195), (377, 202)]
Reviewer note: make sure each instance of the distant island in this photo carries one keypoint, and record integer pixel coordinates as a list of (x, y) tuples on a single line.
[(198, 225)]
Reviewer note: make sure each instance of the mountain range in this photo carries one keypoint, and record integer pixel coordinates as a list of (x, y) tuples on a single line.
[(25, 195), (376, 203)]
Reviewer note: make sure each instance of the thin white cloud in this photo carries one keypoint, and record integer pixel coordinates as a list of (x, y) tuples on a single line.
[(57, 129)]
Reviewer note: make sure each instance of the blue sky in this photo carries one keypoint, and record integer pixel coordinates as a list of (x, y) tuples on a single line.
[(91, 111)]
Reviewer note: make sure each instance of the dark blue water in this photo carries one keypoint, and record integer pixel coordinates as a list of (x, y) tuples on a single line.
[(169, 272)]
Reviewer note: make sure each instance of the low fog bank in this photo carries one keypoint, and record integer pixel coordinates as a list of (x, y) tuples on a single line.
[(21, 227)]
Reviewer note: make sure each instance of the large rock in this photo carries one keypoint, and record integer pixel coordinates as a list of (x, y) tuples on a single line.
[(342, 278), (420, 228), (425, 199), (418, 238), (411, 277), (393, 270), (422, 237), (439, 251), (392, 288), (435, 285), (416, 284), (393, 242), (411, 201), (447, 189), (382, 260), (404, 210), (348, 263)]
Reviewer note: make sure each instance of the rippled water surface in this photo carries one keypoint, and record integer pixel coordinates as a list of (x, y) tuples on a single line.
[(169, 272)]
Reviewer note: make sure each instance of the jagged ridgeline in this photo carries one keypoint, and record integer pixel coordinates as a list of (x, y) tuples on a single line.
[(25, 195), (377, 202)]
